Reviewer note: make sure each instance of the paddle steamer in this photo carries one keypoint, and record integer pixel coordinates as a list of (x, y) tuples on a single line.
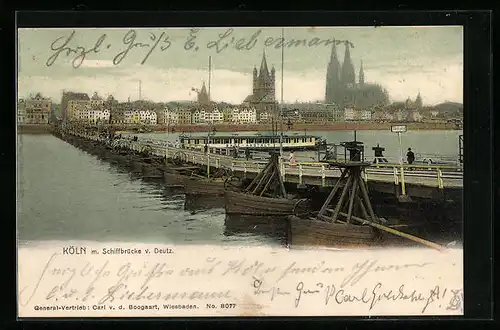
[(263, 142)]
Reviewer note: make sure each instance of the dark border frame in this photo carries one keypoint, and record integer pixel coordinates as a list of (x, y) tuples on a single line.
[(478, 131)]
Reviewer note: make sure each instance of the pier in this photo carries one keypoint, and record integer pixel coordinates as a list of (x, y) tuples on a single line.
[(403, 180), (426, 181)]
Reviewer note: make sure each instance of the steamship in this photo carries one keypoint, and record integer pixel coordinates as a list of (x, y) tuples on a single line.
[(262, 142)]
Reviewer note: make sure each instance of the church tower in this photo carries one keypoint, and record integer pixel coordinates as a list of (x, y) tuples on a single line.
[(348, 77), (361, 75), (418, 101), (203, 95), (264, 83), (332, 77), (255, 82)]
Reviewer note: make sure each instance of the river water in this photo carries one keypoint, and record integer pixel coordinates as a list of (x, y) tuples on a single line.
[(67, 194)]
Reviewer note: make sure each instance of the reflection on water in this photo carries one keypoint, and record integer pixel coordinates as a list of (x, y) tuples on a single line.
[(67, 194)]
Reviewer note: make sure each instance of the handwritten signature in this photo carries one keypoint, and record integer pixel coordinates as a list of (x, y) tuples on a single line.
[(372, 297)]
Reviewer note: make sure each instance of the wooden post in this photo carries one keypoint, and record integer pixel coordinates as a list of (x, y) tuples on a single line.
[(280, 175), (396, 179), (363, 208), (354, 191), (263, 179), (366, 197), (403, 187), (257, 178), (332, 194), (273, 175), (440, 178), (323, 175), (341, 200), (401, 234)]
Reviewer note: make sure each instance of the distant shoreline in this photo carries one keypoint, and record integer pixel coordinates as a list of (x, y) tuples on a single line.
[(305, 127), (46, 129), (34, 129)]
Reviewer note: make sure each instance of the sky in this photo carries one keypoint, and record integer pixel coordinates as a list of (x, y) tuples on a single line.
[(404, 60)]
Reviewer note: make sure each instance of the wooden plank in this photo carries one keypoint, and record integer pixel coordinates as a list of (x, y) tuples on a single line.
[(399, 233), (354, 192), (341, 200)]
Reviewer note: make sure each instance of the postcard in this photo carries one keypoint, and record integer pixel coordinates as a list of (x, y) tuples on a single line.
[(245, 171)]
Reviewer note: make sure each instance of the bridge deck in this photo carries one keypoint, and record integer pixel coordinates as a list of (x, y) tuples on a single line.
[(405, 177), (435, 176)]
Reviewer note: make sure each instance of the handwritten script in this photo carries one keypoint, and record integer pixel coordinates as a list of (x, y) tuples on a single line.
[(146, 44), (227, 282)]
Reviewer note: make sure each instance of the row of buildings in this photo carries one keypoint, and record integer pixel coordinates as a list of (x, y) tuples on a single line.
[(79, 107), (346, 99), (35, 110)]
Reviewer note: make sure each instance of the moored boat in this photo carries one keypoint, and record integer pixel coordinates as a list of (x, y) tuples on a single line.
[(263, 142), (314, 232), (174, 179), (248, 204)]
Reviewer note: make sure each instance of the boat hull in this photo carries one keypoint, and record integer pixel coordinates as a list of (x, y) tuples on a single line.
[(322, 233), (246, 204), (199, 186), (173, 179)]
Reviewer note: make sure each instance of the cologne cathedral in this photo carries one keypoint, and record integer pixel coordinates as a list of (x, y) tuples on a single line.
[(342, 89)]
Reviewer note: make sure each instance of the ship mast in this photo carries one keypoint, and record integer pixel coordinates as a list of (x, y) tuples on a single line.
[(209, 77), (281, 105)]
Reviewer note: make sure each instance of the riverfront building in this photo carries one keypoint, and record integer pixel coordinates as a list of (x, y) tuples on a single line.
[(34, 110)]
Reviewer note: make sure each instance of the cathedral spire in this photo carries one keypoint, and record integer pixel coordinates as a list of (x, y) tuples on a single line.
[(333, 55), (418, 100), (361, 74), (348, 77), (333, 77)]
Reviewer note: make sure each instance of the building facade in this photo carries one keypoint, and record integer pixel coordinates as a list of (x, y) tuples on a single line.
[(244, 115), (147, 117), (66, 109), (21, 111), (35, 110)]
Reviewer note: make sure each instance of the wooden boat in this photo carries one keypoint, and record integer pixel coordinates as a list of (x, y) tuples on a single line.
[(174, 179), (204, 186), (322, 233), (350, 220), (152, 170), (248, 204), (202, 202), (256, 200), (215, 186)]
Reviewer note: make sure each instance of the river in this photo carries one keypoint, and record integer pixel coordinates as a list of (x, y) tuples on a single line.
[(66, 194)]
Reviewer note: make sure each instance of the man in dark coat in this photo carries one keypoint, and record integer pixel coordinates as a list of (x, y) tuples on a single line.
[(410, 156)]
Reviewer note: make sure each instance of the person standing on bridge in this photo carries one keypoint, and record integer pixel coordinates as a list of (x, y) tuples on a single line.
[(410, 156), (292, 160)]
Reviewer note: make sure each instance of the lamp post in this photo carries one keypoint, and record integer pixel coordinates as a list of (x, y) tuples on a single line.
[(211, 131), (399, 129)]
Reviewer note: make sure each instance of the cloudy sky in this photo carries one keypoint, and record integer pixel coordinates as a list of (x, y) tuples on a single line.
[(405, 60)]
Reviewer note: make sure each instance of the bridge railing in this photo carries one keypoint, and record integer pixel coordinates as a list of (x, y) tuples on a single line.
[(400, 174)]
